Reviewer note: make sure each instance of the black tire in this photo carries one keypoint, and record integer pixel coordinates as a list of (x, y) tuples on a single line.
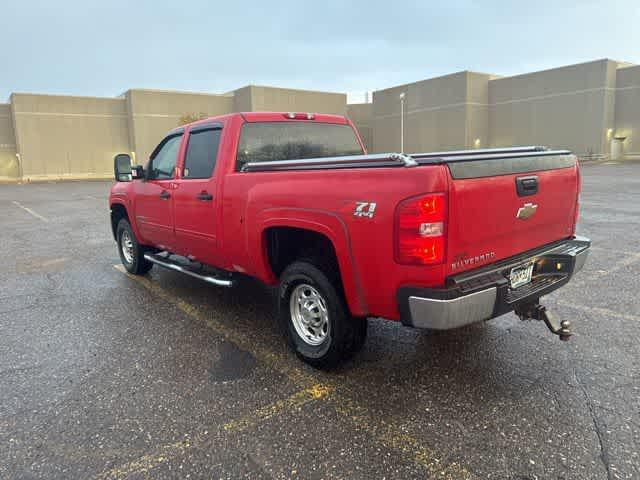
[(345, 334), (136, 264)]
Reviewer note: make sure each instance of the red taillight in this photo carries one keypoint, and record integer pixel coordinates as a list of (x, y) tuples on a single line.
[(420, 230), (576, 215)]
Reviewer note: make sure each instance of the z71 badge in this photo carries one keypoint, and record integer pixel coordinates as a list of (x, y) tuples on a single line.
[(365, 209)]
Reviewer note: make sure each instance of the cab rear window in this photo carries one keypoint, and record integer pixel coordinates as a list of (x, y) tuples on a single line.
[(274, 141)]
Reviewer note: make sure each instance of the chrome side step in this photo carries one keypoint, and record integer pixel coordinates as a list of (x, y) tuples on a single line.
[(166, 262)]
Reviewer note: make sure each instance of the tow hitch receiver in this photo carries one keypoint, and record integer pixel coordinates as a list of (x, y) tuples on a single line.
[(535, 311)]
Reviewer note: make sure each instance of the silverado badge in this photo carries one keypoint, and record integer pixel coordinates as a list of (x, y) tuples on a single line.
[(526, 211)]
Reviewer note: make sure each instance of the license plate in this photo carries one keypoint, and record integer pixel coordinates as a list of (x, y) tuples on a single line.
[(520, 276)]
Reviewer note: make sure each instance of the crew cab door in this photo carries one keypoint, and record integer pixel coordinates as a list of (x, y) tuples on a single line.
[(154, 209), (195, 201)]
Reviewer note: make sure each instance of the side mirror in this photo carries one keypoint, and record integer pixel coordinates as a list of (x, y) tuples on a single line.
[(122, 167)]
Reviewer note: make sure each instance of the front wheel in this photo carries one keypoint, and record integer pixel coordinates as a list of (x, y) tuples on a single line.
[(131, 252), (318, 324)]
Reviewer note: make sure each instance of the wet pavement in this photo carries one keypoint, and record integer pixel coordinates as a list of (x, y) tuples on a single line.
[(103, 375)]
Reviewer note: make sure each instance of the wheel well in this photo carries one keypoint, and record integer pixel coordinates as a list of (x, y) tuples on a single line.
[(287, 244), (118, 212)]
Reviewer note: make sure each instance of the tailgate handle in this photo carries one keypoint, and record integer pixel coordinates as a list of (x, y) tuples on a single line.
[(527, 186)]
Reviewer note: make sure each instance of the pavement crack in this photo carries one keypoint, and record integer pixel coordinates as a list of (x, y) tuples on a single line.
[(604, 454)]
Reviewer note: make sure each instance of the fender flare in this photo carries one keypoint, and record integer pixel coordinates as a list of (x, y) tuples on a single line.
[(132, 222), (325, 223)]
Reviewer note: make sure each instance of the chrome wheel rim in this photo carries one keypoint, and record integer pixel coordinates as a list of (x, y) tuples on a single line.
[(309, 314), (126, 245)]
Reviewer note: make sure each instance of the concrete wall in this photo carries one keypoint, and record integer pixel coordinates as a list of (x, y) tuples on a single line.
[(627, 113), (272, 99), (441, 113), (152, 113), (361, 114), (9, 168), (581, 107), (569, 107), (286, 100), (77, 137), (68, 137), (477, 110)]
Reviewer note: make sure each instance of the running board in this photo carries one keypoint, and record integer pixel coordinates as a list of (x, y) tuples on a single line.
[(166, 262)]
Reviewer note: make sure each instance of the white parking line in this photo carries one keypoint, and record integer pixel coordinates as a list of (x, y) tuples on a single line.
[(28, 210)]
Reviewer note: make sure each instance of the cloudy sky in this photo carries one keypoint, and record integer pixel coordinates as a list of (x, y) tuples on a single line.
[(105, 47)]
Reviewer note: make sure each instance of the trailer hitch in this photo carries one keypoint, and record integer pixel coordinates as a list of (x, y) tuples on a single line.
[(535, 311)]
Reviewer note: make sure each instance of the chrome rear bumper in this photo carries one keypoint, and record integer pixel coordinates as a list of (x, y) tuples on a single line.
[(485, 293)]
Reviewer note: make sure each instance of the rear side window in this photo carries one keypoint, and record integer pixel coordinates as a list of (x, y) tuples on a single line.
[(273, 141), (202, 151)]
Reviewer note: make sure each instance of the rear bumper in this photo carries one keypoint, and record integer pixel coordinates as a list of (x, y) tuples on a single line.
[(485, 293)]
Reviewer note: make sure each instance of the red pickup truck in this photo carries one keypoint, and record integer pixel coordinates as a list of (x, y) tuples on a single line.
[(434, 240)]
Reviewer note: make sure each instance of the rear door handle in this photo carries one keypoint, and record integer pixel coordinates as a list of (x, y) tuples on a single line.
[(204, 197), (165, 195)]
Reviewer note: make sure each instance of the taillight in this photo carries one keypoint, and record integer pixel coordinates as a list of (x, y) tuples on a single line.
[(576, 216), (420, 230)]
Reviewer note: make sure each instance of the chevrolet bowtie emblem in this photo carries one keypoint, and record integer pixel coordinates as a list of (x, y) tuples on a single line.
[(526, 211)]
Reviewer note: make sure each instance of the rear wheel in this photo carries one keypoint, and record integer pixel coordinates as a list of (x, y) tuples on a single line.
[(317, 322), (131, 252)]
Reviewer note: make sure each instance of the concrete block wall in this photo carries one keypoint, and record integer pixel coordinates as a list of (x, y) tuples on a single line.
[(273, 99), (152, 113), (586, 108), (361, 114), (9, 167), (435, 115), (581, 107), (627, 110), (68, 137), (570, 107)]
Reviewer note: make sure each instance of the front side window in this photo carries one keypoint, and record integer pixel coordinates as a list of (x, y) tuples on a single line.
[(273, 141), (202, 150), (163, 162)]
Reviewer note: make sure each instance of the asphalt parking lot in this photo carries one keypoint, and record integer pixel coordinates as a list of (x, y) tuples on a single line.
[(103, 375)]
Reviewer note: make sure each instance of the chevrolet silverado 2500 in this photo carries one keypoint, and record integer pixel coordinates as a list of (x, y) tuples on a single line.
[(434, 240)]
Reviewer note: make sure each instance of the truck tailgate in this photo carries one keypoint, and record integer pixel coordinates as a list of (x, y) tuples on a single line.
[(499, 208)]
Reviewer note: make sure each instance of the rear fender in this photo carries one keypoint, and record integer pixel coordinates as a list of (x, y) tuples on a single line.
[(326, 223)]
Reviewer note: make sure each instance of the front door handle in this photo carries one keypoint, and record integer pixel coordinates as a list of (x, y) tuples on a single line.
[(204, 196), (165, 195)]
